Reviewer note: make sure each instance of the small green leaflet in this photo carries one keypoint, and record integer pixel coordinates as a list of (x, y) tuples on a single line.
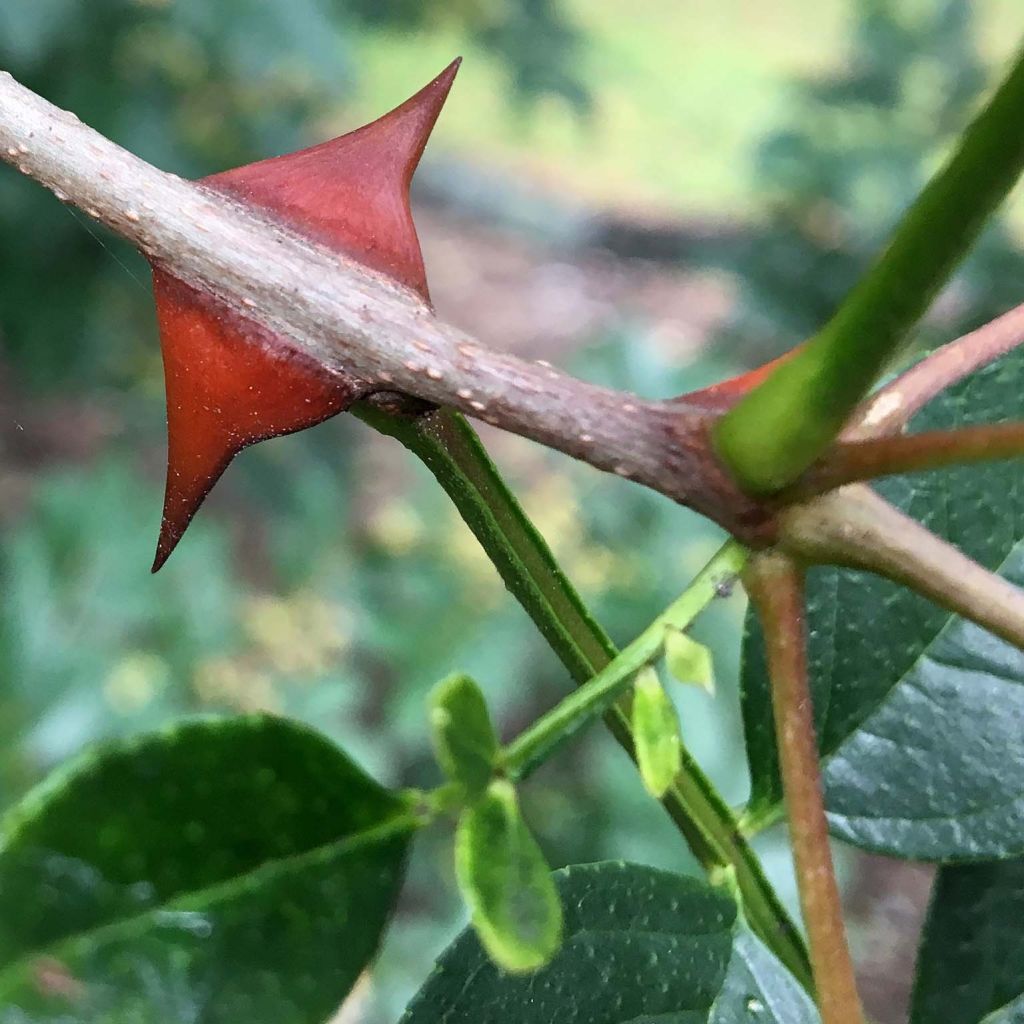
[(655, 733), (506, 882), (464, 739), (689, 661)]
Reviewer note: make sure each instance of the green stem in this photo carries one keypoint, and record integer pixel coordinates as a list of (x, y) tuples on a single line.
[(789, 420), (536, 744), (450, 449)]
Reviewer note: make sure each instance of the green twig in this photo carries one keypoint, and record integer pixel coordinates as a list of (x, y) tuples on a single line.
[(449, 447), (789, 420), (533, 746)]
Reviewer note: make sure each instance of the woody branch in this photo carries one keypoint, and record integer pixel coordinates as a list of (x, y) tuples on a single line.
[(351, 319)]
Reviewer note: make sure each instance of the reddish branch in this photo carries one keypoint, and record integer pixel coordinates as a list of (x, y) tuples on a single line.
[(352, 320), (856, 528), (890, 408), (914, 453), (775, 585)]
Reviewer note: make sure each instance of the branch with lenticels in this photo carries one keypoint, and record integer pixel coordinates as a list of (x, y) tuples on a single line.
[(352, 320)]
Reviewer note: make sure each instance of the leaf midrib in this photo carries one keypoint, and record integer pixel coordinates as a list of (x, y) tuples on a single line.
[(127, 926)]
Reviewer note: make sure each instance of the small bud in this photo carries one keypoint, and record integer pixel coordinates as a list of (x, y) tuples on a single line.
[(723, 876), (688, 661)]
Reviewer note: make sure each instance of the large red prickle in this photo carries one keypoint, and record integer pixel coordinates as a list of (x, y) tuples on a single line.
[(229, 382)]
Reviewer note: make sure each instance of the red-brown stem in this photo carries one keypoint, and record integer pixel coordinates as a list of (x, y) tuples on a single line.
[(891, 407), (775, 584), (934, 449)]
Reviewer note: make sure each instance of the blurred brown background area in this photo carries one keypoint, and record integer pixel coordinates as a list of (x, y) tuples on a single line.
[(653, 202)]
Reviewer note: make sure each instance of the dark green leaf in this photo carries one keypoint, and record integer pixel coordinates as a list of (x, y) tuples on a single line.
[(223, 870), (640, 944), (971, 961), (655, 733), (920, 716), (464, 739), (506, 882)]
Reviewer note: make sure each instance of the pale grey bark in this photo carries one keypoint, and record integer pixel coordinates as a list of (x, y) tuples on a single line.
[(351, 319)]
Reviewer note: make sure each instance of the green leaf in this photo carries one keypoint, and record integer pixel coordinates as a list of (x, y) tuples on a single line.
[(758, 990), (971, 961), (639, 944), (655, 733), (238, 869), (463, 734), (689, 661), (506, 882), (918, 712)]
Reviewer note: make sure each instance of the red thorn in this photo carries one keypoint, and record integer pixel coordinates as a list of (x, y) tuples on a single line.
[(229, 384), (726, 393), (352, 193)]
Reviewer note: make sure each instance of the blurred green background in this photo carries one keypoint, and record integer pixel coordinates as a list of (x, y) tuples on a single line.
[(653, 199)]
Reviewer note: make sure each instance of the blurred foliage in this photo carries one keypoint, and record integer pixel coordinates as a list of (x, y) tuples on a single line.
[(328, 578), (861, 144)]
